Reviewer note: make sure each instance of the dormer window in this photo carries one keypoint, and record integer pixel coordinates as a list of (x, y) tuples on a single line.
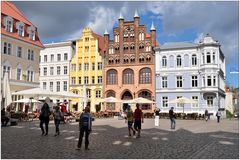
[(31, 32), (20, 28), (9, 24)]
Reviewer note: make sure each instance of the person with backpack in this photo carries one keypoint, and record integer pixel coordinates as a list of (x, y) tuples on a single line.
[(57, 118), (85, 126), (44, 116), (129, 120)]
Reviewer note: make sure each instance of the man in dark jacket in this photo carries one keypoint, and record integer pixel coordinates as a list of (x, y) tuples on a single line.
[(172, 118), (85, 125), (44, 116)]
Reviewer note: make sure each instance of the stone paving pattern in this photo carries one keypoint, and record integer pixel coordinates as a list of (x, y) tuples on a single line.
[(109, 140)]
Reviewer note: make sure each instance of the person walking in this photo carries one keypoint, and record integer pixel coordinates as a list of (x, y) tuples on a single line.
[(206, 115), (138, 119), (44, 116), (157, 114), (85, 126), (57, 118), (129, 120), (172, 117), (218, 114)]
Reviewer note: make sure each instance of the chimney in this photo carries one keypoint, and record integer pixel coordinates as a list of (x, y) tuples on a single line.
[(153, 35)]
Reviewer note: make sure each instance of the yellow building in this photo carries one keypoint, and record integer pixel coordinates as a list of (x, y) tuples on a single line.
[(86, 75)]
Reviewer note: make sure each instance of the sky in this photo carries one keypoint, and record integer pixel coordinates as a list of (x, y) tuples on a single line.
[(174, 21)]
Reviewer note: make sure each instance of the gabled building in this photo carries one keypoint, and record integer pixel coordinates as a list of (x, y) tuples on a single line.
[(129, 63), (192, 70), (20, 49), (86, 71)]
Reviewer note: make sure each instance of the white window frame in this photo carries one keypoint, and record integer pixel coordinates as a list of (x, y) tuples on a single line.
[(8, 26), (165, 101), (98, 93), (58, 70), (100, 79), (179, 61), (19, 51), (52, 57), (20, 28), (51, 86), (65, 70), (19, 76), (32, 33), (179, 80), (58, 86), (164, 62), (65, 85), (44, 84), (195, 105), (209, 99), (65, 57), (194, 81), (194, 60), (164, 82), (51, 71), (59, 57)]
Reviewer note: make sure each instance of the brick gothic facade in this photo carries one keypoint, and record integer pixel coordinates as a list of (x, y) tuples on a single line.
[(129, 64)]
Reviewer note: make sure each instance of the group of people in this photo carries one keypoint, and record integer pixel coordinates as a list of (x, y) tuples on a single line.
[(134, 119)]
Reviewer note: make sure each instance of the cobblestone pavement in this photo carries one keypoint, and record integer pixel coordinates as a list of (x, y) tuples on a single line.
[(109, 140)]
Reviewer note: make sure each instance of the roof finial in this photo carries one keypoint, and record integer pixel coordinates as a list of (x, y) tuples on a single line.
[(106, 32), (120, 16), (152, 27), (136, 14)]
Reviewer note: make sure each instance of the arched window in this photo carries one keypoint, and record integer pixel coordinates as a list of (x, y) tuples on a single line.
[(20, 28), (148, 59), (125, 47), (128, 76), (145, 76), (141, 46), (125, 59), (111, 76), (186, 60), (164, 61), (194, 60), (8, 23), (132, 47), (116, 38), (111, 50), (208, 57), (147, 95), (111, 93), (179, 61), (31, 32), (117, 60), (141, 36), (171, 60), (132, 59), (141, 59), (110, 60)]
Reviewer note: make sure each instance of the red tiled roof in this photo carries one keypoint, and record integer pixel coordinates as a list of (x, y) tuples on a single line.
[(9, 9), (100, 42)]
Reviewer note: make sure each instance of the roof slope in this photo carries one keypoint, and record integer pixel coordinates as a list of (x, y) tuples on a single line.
[(9, 9), (175, 45), (100, 43)]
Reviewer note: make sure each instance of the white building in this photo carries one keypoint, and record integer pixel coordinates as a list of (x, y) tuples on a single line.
[(54, 66), (195, 71)]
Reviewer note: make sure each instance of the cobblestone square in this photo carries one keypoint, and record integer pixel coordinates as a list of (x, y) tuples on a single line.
[(109, 140)]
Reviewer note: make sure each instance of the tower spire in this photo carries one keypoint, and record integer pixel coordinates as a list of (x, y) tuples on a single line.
[(120, 16), (136, 14), (152, 27)]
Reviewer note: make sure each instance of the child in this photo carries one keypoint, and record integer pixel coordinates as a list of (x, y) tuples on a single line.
[(57, 118)]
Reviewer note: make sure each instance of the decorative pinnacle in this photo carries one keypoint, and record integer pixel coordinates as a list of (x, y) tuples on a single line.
[(120, 16), (136, 14), (105, 33), (152, 27)]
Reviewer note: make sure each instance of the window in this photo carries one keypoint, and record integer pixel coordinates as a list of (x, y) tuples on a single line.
[(29, 54), (65, 57), (45, 71), (86, 48), (214, 81), (88, 93), (73, 66), (98, 94), (145, 76), (93, 66), (214, 57), (7, 48), (203, 81), (32, 55), (51, 70), (52, 57), (86, 39), (58, 57), (31, 32), (85, 80), (86, 66), (93, 79), (58, 70), (45, 58), (141, 36), (203, 58), (194, 81), (19, 52), (111, 50), (30, 76), (9, 25), (164, 82), (164, 61), (51, 86), (164, 101), (209, 101), (179, 104), (209, 81), (208, 57), (20, 30), (116, 38), (171, 61), (195, 98), (44, 85), (194, 60), (19, 74), (179, 81), (79, 67), (111, 77), (65, 70), (99, 79), (64, 85), (148, 48), (73, 80), (7, 69), (79, 80), (128, 76), (58, 86), (179, 61), (99, 65)]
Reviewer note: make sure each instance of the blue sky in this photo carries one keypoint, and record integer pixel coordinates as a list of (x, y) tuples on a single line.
[(174, 22)]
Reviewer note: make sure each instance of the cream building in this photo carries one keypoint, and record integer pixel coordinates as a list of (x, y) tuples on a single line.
[(20, 48)]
